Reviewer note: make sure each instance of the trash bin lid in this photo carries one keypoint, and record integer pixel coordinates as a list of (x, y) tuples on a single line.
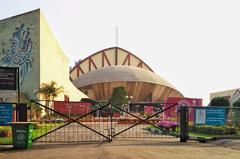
[(24, 123)]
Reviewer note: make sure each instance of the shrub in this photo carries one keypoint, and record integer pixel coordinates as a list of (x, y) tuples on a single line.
[(220, 101), (214, 130), (167, 125), (36, 126), (5, 132)]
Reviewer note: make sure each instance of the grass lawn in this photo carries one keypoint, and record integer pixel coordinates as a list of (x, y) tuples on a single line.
[(44, 128), (205, 136), (41, 129)]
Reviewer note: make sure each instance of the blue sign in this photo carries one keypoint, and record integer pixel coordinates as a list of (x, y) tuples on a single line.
[(209, 116), (5, 114)]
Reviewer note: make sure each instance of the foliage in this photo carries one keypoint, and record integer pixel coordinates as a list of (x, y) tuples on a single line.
[(167, 125), (220, 101), (34, 106), (119, 96), (214, 130), (164, 123), (236, 104), (36, 126), (147, 115), (5, 131), (49, 91)]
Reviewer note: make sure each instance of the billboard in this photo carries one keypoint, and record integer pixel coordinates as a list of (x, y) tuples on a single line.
[(181, 101)]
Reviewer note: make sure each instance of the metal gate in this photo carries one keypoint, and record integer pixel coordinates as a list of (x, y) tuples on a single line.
[(100, 122), (145, 120)]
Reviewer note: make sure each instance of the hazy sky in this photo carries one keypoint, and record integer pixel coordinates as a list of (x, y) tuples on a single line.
[(195, 45)]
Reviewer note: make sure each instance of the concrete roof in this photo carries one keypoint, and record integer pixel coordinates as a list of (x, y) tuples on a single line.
[(120, 73)]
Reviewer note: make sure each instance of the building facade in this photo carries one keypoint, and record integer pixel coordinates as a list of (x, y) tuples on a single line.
[(28, 43), (98, 74)]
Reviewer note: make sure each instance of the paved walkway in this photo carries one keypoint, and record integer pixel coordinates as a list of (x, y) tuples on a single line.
[(122, 149)]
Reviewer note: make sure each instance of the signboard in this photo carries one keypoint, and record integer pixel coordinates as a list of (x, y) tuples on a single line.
[(181, 101), (8, 78), (209, 116), (5, 114)]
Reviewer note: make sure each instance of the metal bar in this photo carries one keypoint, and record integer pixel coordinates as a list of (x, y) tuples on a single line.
[(183, 124), (72, 121), (18, 88), (137, 116), (145, 120), (116, 55), (111, 126)]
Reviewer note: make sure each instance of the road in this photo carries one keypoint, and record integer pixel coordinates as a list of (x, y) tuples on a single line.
[(125, 149)]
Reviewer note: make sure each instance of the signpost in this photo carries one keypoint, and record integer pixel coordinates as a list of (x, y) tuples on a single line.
[(5, 114), (209, 116)]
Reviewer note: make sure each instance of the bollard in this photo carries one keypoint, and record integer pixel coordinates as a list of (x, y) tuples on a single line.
[(183, 124)]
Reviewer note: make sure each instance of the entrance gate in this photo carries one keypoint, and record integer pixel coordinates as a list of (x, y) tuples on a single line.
[(100, 122)]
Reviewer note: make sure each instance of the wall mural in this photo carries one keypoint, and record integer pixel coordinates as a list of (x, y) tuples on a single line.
[(19, 52)]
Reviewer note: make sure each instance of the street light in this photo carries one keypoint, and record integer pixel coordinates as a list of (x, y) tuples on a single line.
[(129, 101), (137, 108)]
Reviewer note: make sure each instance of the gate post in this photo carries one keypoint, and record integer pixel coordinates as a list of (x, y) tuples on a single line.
[(183, 124), (21, 112)]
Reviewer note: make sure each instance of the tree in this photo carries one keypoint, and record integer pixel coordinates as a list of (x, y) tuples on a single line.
[(49, 91), (220, 101), (119, 96), (236, 104)]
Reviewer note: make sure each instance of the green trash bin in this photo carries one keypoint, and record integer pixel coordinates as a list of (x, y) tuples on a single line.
[(22, 135)]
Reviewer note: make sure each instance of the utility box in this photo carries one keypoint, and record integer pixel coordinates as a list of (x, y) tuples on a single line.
[(22, 135)]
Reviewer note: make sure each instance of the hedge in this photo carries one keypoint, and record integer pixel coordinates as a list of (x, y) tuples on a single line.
[(214, 130)]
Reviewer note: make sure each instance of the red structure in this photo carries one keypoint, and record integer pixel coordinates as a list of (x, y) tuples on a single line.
[(172, 113), (72, 108)]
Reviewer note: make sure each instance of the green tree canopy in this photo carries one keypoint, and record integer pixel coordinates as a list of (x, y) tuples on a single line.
[(236, 104), (119, 96), (220, 101), (49, 91)]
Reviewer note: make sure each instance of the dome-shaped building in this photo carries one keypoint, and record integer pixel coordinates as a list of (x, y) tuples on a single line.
[(99, 73)]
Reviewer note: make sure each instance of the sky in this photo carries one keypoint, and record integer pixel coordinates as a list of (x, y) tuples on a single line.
[(195, 45)]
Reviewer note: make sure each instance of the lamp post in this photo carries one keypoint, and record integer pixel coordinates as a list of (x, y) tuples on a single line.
[(129, 101), (137, 108)]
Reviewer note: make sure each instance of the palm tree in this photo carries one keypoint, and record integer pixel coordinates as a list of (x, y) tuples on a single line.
[(49, 91)]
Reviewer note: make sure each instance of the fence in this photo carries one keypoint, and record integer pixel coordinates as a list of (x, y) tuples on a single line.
[(211, 122), (94, 122)]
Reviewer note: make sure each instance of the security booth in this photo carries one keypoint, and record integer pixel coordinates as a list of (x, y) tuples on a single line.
[(22, 134)]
